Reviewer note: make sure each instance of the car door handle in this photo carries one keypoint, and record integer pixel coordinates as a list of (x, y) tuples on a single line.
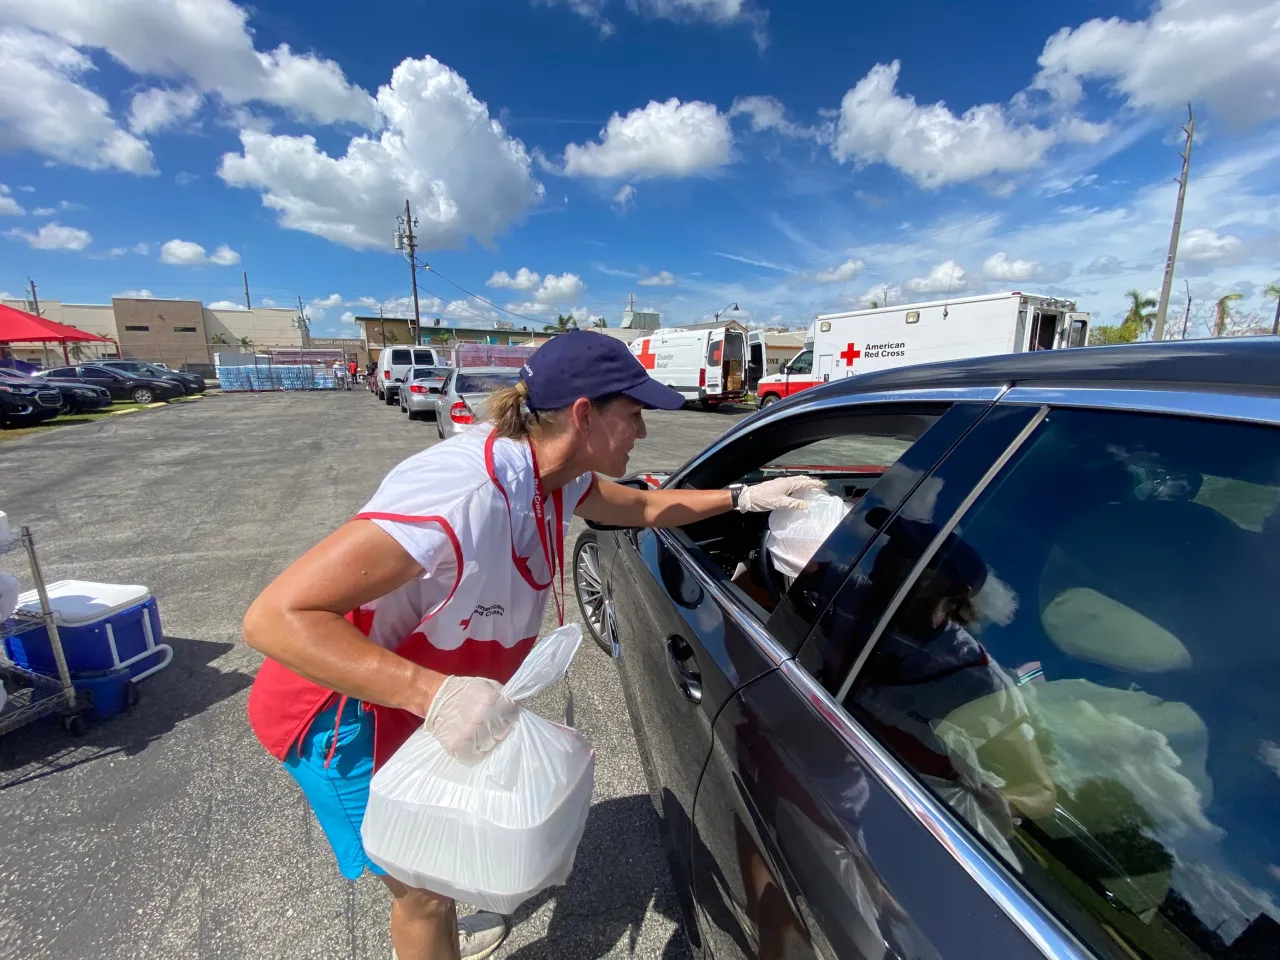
[(682, 665)]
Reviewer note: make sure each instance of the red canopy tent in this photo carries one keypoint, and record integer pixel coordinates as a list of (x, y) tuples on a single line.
[(19, 327)]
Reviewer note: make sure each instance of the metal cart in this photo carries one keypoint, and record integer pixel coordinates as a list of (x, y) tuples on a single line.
[(33, 695)]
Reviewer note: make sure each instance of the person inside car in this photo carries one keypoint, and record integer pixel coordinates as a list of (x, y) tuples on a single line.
[(422, 606)]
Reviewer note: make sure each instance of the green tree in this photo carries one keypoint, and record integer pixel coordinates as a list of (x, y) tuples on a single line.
[(1140, 316), (220, 339), (563, 324), (1272, 292), (1106, 336), (245, 343), (601, 322), (1222, 312)]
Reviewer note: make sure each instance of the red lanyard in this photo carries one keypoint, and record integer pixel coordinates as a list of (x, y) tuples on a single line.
[(554, 560)]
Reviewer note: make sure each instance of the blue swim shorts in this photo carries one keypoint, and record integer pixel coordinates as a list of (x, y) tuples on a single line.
[(339, 794)]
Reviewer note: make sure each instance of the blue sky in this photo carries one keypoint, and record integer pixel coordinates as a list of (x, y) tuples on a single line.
[(795, 158)]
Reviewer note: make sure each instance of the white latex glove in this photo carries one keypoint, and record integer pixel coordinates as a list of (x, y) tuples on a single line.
[(470, 716), (777, 494)]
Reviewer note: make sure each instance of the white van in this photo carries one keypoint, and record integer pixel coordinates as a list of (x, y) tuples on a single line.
[(705, 363), (843, 345), (394, 364)]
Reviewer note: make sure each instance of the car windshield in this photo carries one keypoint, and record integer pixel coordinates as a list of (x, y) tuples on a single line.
[(485, 382)]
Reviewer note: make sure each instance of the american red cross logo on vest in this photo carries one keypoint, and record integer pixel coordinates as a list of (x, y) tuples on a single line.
[(647, 359), (851, 353)]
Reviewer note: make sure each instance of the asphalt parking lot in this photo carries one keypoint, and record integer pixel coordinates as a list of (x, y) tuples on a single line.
[(169, 832)]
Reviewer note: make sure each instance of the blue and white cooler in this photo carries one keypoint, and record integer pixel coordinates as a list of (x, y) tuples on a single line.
[(104, 627)]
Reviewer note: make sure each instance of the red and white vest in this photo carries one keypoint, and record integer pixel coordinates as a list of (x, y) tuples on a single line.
[(468, 511)]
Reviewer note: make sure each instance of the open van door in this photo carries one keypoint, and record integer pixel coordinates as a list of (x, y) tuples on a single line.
[(755, 360), (1077, 329)]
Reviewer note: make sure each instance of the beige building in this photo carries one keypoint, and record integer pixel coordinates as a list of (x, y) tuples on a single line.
[(174, 332)]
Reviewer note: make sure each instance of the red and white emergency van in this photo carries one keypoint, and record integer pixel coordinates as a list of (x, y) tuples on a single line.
[(703, 362), (846, 344)]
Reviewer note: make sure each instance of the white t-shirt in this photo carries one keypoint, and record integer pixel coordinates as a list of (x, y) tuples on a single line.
[(445, 507)]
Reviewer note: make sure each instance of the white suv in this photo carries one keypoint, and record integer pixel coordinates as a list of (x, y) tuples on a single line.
[(394, 364)]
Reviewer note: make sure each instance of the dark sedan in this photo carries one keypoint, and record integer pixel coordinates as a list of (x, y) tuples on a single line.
[(121, 386), (26, 401), (137, 368), (1019, 703), (76, 397)]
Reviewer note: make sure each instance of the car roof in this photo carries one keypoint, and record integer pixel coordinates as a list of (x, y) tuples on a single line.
[(1239, 364), (487, 370)]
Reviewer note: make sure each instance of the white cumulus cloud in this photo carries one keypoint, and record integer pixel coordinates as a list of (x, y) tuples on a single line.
[(768, 113), (226, 305), (667, 139), (719, 12), (155, 109), (663, 278), (559, 289), (207, 44), (999, 266), (525, 279), (945, 277), (53, 236), (45, 108), (928, 142), (187, 253), (426, 112), (1207, 246), (1220, 52), (626, 194), (1104, 265), (841, 272), (143, 294), (9, 207)]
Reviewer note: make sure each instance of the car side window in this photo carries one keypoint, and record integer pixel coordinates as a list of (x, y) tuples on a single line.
[(62, 372), (803, 363), (1085, 669)]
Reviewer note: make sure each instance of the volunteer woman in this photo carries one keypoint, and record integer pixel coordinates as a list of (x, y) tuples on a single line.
[(425, 603)]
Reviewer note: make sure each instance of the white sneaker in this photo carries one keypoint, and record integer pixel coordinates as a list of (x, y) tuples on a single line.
[(480, 934)]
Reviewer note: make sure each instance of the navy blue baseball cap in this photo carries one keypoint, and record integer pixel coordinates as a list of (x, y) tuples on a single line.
[(593, 365)]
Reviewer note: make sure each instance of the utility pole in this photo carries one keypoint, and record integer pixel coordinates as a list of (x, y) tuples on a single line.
[(404, 238), (247, 304), (382, 324), (35, 301), (303, 327), (1186, 317), (1162, 310)]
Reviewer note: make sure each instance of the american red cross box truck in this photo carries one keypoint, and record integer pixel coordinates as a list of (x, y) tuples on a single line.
[(707, 363), (847, 344)]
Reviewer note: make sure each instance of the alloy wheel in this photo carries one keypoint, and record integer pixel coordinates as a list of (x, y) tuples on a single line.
[(588, 581)]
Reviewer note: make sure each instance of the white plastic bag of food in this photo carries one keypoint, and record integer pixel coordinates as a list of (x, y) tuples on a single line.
[(795, 535), (494, 833)]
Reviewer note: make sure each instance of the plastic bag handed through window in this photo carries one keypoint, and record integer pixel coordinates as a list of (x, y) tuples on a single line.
[(496, 832), (796, 535)]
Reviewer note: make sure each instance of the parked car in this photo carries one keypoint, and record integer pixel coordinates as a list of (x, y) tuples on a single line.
[(26, 401), (395, 363), (424, 385), (76, 397), (1019, 703), (460, 403), (191, 382), (121, 386)]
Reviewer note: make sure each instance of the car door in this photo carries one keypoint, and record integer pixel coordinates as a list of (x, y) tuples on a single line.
[(777, 833), (112, 382), (715, 365)]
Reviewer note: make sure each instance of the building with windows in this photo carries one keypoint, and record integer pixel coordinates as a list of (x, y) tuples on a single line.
[(177, 333), (379, 332)]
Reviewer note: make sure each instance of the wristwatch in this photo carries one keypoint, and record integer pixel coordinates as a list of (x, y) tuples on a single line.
[(736, 490)]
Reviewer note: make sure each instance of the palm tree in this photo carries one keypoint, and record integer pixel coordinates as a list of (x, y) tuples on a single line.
[(1222, 312), (245, 343), (563, 324), (1272, 292), (220, 340), (1139, 318)]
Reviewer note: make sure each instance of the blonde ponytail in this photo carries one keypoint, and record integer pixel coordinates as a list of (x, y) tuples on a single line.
[(508, 410)]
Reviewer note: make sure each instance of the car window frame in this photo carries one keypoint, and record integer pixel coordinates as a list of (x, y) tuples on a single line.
[(1023, 907), (897, 401)]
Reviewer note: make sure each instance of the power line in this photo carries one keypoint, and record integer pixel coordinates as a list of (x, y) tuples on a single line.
[(427, 266)]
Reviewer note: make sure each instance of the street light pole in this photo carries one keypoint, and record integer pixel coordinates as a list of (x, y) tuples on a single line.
[(732, 306), (1162, 309)]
